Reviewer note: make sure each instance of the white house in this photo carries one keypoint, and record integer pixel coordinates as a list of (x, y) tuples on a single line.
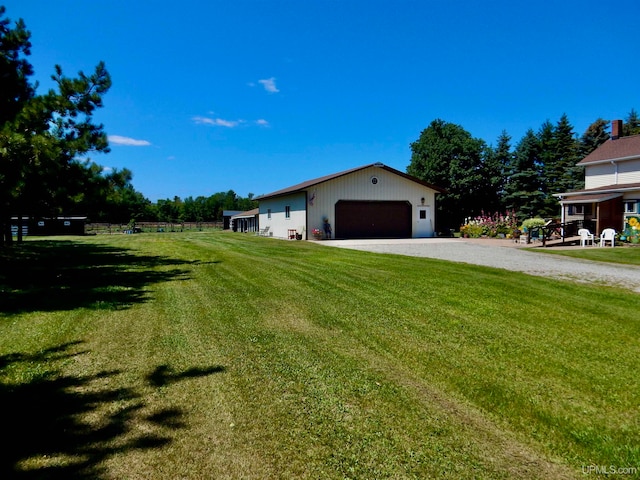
[(372, 201), (611, 196)]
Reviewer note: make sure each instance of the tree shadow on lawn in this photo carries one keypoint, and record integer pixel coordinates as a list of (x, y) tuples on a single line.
[(59, 426), (58, 275)]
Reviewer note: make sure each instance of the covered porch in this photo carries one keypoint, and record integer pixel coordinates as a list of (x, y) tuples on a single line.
[(245, 221), (593, 211)]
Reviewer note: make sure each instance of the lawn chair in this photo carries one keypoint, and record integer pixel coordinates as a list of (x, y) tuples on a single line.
[(585, 237), (608, 235), (535, 235)]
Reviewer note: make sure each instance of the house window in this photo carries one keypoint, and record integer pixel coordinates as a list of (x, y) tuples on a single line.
[(269, 213), (287, 212), (580, 209), (374, 180), (576, 209), (631, 206), (423, 214)]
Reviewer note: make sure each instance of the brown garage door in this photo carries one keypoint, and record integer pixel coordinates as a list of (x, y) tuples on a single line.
[(373, 219)]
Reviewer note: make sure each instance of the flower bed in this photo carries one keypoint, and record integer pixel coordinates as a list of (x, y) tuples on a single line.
[(495, 225), (631, 232)]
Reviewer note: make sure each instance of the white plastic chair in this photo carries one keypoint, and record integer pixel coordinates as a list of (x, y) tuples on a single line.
[(608, 235), (585, 237)]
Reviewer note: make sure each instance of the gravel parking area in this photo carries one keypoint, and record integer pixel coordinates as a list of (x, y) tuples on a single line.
[(504, 254)]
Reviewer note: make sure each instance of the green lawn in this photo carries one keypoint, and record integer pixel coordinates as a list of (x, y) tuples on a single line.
[(221, 355), (624, 254)]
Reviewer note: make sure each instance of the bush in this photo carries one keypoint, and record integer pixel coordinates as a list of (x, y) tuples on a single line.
[(530, 223)]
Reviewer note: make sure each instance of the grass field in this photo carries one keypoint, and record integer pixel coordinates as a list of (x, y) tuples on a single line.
[(625, 254), (220, 355)]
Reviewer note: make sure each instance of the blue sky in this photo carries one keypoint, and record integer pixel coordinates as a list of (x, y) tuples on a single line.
[(255, 96)]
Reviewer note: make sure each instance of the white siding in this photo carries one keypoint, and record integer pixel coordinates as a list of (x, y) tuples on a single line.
[(359, 186), (618, 173), (278, 223), (629, 172), (599, 175)]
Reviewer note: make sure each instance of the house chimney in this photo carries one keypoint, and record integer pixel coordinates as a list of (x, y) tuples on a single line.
[(616, 129)]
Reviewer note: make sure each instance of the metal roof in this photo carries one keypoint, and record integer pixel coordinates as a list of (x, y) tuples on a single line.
[(247, 214), (309, 183)]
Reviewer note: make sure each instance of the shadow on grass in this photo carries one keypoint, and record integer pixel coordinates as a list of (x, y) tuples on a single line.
[(52, 275), (163, 375), (58, 426)]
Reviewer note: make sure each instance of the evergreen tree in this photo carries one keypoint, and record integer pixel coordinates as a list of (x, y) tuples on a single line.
[(523, 189), (15, 70), (631, 124), (559, 172), (594, 136), (42, 136), (492, 169), (502, 160)]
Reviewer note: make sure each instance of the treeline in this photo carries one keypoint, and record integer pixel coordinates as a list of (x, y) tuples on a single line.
[(45, 140), (119, 202), (520, 177), (199, 209)]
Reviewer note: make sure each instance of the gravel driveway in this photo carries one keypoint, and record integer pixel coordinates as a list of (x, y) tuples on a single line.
[(503, 254)]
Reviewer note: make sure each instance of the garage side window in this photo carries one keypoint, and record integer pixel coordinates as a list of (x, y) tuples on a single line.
[(287, 212), (269, 213)]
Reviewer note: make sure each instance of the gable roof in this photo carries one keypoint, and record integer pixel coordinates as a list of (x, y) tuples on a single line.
[(622, 148), (310, 183)]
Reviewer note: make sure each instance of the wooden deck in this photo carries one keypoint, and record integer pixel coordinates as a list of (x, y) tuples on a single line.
[(559, 242)]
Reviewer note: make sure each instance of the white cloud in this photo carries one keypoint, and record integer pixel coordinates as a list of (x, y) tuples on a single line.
[(217, 122), (269, 85), (127, 141), (262, 122)]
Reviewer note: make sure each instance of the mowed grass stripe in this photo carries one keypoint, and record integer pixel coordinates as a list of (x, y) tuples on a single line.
[(289, 359), (361, 285)]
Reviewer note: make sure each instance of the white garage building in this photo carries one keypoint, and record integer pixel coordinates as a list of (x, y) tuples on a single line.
[(372, 201)]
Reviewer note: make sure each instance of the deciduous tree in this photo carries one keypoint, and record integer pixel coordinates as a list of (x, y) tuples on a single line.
[(448, 156)]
